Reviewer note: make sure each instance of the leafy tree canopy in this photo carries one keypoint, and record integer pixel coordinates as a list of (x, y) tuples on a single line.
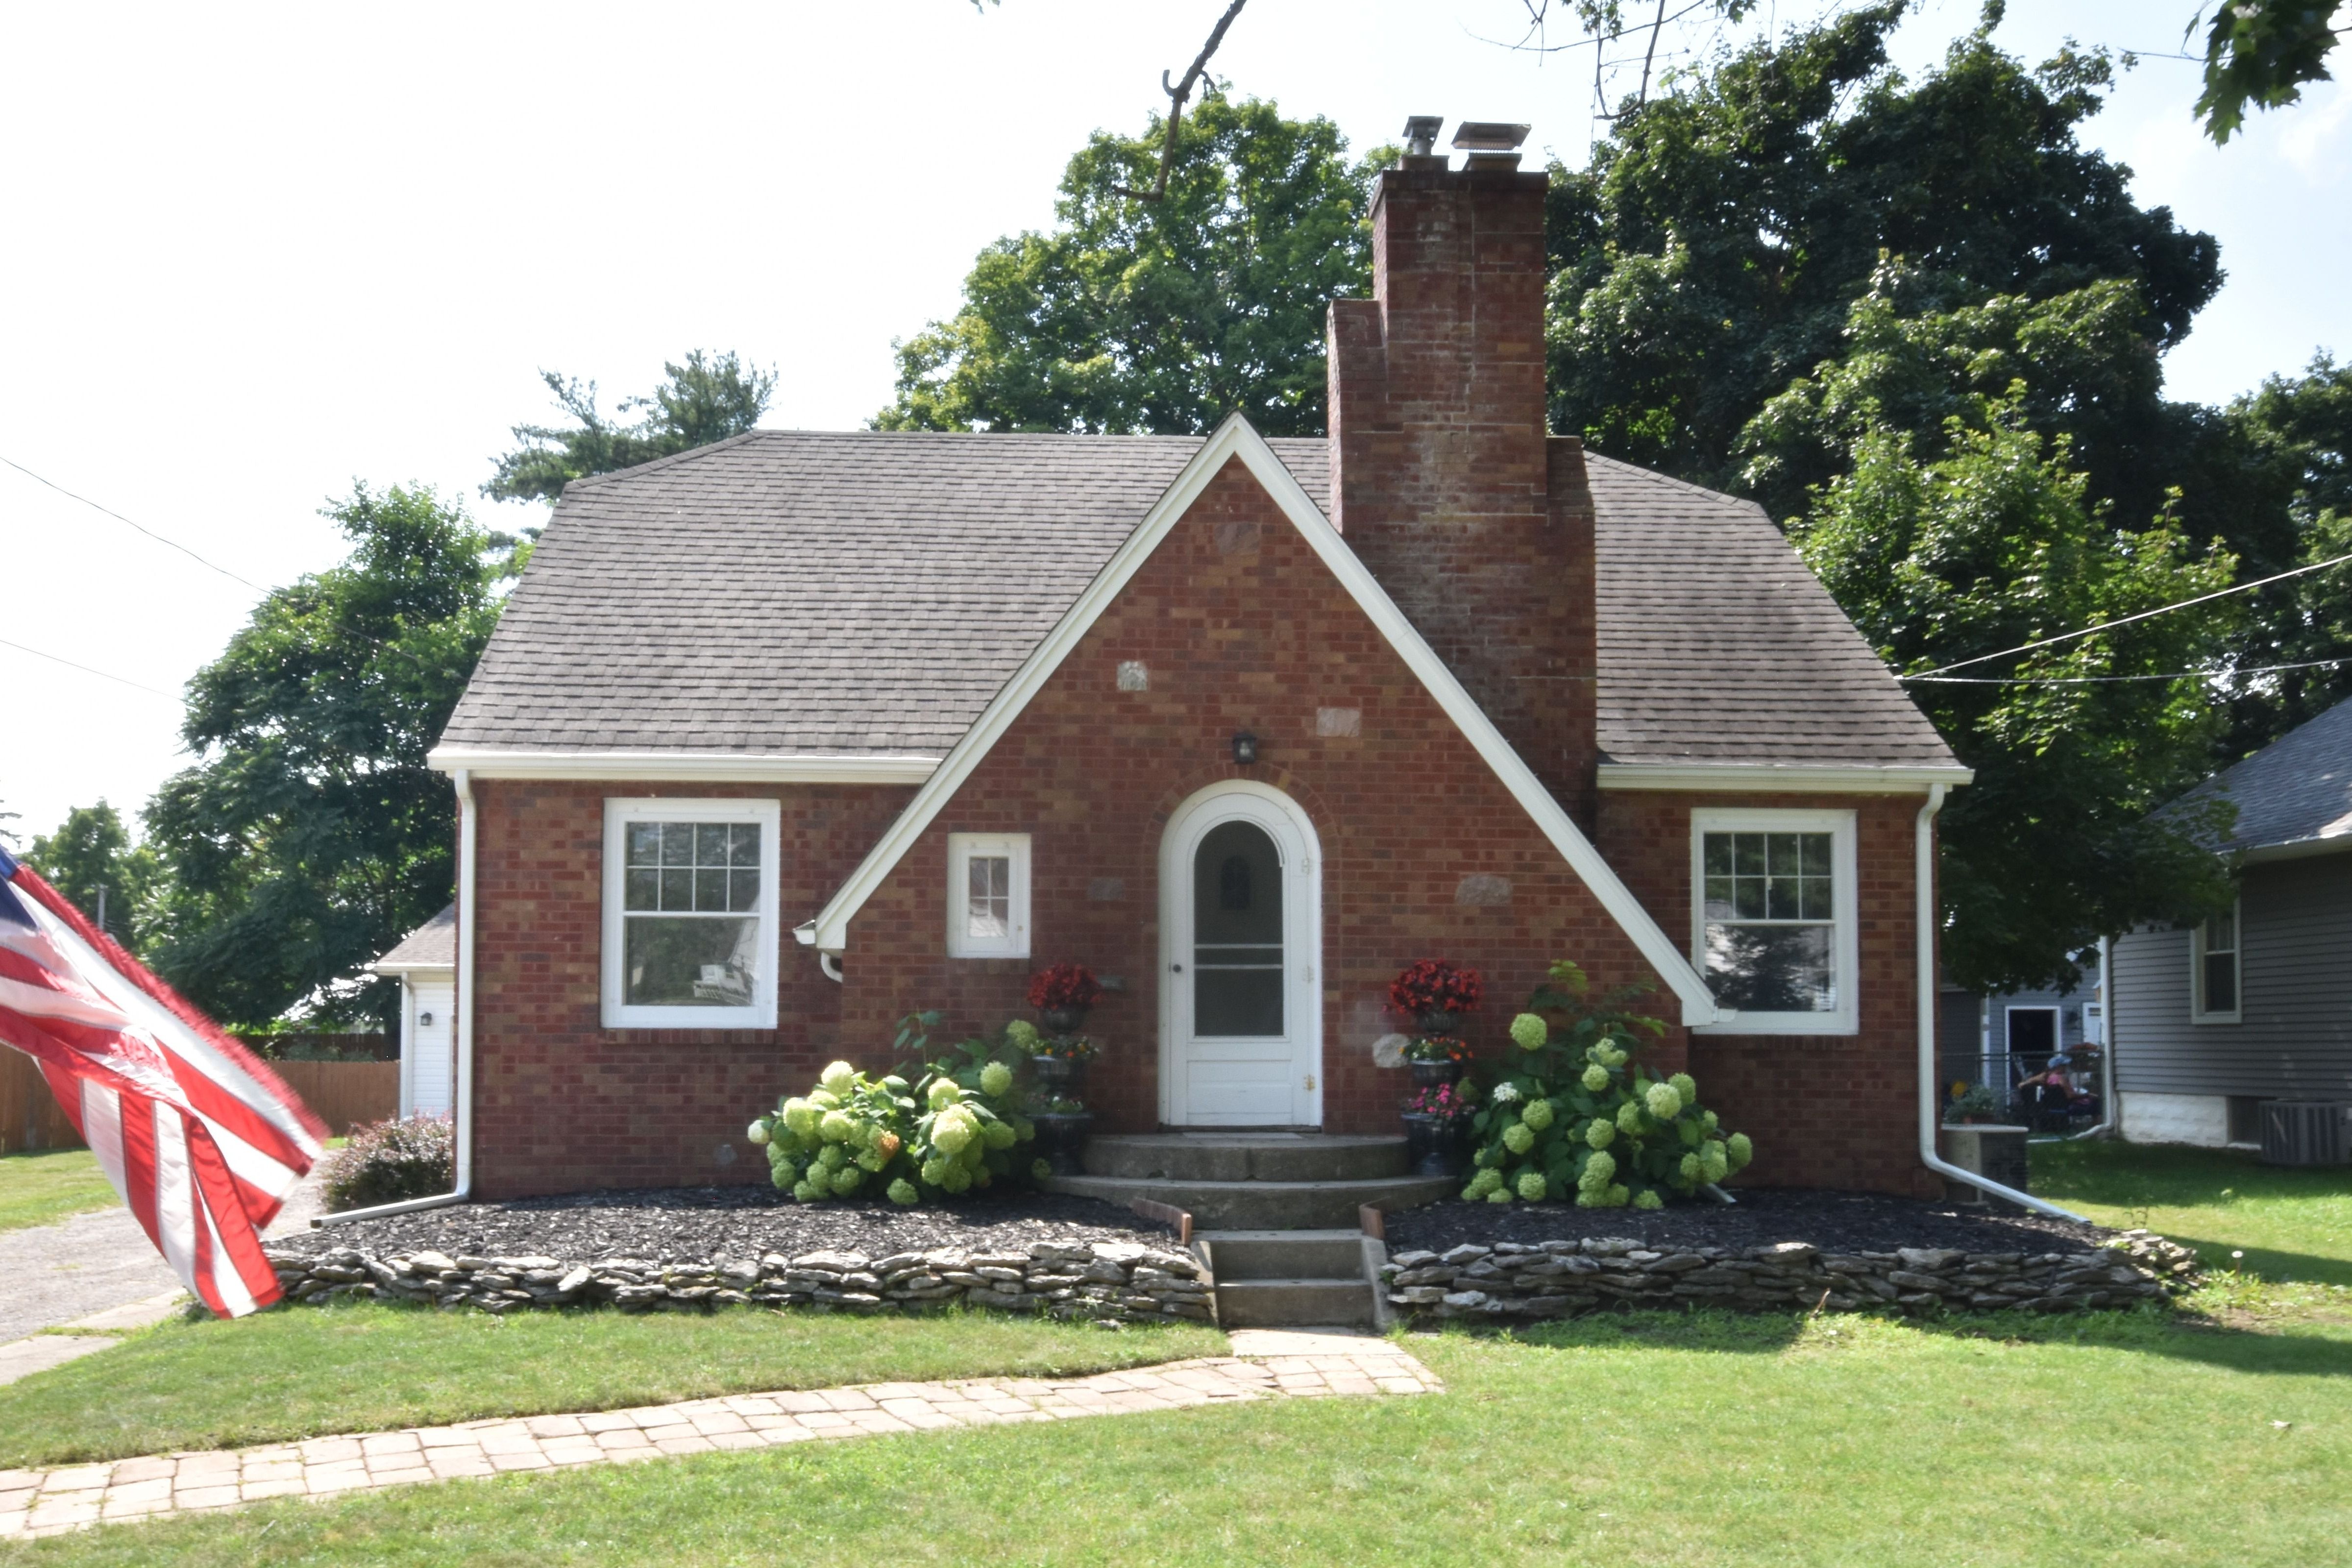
[(311, 835), (1710, 253), (2262, 53), (707, 399), (1158, 317), (91, 850)]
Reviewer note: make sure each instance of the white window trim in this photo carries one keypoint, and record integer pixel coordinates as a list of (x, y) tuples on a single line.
[(1847, 1019), (961, 848), (761, 1012), (2198, 1012)]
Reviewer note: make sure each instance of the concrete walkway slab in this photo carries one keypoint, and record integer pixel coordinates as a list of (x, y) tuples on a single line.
[(1290, 1365), (42, 1351)]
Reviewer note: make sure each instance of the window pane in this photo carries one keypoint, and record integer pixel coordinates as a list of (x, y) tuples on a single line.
[(689, 962), (677, 844), (676, 889), (989, 898), (1719, 855), (1772, 969), (1228, 1002), (1718, 893), (2222, 934), (710, 890), (1748, 898), (1236, 886), (644, 843), (2221, 982), (1816, 853), (641, 891), (743, 844), (743, 891), (1748, 854), (710, 843), (1780, 900), (1819, 902)]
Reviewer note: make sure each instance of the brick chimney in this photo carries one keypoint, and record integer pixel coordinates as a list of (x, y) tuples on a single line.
[(1444, 479)]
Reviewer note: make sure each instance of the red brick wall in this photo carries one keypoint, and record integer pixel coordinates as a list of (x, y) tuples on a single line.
[(1825, 1111), (563, 1104), (1241, 626)]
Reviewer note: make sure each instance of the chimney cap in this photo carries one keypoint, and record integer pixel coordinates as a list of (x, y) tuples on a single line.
[(1489, 136), (1420, 134)]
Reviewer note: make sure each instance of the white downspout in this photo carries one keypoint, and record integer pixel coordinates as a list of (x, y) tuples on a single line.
[(1924, 882), (2107, 1107), (464, 1186)]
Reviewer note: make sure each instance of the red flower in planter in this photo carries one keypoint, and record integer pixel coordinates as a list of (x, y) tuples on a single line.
[(1433, 985), (1065, 985)]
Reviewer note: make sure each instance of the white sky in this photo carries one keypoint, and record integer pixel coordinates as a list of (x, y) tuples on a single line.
[(253, 253)]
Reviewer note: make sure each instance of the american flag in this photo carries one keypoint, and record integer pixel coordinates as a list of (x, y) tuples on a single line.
[(201, 1140)]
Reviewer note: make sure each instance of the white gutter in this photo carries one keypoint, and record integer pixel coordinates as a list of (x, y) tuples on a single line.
[(464, 1186), (1924, 879)]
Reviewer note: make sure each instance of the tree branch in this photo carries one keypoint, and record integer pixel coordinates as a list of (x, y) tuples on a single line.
[(1177, 95)]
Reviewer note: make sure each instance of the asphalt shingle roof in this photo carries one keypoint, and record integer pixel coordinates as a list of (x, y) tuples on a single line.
[(433, 942), (866, 592), (2295, 790)]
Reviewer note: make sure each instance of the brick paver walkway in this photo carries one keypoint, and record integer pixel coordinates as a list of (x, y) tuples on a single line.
[(1268, 1364)]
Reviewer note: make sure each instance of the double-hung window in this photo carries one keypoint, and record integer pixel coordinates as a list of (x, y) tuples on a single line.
[(1772, 925), (690, 937), (988, 895), (2214, 975)]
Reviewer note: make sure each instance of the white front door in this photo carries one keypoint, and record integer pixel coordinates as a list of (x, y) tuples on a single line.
[(1240, 923), (432, 1012)]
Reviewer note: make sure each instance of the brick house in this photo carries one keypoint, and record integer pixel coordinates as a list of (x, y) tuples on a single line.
[(784, 737)]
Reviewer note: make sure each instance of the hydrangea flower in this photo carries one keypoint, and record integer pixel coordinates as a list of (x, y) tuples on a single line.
[(1664, 1100), (1023, 1128), (997, 1134), (1713, 1159), (1530, 1033), (1486, 1181), (838, 1078), (935, 1171), (958, 1179), (887, 1145), (1686, 1086), (1599, 1170), (784, 1176), (823, 1100), (835, 1127), (995, 1078), (832, 1158), (1507, 1094), (868, 1160), (1538, 1114), (1602, 1133), (808, 1190), (1023, 1036), (1039, 1169), (902, 1192), (801, 1116), (1596, 1077), (758, 1131), (1618, 1194), (1499, 1195), (1649, 1199), (943, 1093), (1710, 1120), (1629, 1118), (954, 1130), (1518, 1138), (1533, 1187), (1739, 1150)]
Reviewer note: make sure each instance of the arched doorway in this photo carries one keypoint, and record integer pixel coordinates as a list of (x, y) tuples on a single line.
[(1240, 1037)]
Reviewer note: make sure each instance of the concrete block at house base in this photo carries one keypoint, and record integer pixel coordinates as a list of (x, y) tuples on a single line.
[(1995, 1152)]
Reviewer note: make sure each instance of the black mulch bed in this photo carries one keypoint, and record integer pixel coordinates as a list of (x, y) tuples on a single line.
[(692, 1225), (1833, 1222)]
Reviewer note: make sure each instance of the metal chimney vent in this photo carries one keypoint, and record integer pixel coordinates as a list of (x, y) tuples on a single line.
[(1488, 136), (1421, 135)]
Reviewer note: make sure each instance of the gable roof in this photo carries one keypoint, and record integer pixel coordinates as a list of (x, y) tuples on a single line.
[(810, 605), (2294, 795), (433, 945), (1236, 439)]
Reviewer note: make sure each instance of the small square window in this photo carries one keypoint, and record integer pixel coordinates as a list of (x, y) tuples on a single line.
[(690, 914), (988, 895)]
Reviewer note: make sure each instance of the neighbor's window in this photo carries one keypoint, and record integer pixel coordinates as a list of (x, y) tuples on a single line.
[(988, 895), (2213, 983), (1773, 927), (689, 913)]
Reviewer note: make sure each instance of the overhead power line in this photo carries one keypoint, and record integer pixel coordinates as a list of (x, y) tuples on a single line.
[(2126, 620), (2099, 680), (141, 527), (86, 669)]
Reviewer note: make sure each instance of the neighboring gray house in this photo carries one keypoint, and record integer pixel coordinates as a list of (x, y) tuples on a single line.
[(425, 964), (1998, 1039), (2254, 1004)]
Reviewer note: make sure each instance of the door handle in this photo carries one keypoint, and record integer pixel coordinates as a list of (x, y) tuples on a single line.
[(1177, 967)]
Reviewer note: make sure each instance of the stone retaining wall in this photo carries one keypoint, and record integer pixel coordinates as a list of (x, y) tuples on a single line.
[(1114, 1280), (1557, 1278)]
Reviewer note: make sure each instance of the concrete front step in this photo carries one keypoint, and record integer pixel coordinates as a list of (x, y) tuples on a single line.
[(1336, 1254), (1261, 1205), (1246, 1156), (1289, 1303)]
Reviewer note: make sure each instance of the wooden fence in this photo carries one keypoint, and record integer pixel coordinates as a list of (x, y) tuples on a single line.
[(345, 1094)]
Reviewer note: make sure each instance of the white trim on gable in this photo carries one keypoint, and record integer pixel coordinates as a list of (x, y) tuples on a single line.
[(1766, 778), (829, 932)]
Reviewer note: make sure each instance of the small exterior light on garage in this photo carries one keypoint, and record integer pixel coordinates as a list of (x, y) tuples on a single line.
[(1244, 747)]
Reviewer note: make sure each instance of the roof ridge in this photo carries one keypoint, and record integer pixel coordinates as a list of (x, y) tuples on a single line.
[(1668, 481), (668, 459)]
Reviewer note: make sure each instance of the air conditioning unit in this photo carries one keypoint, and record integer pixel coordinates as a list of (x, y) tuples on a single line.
[(2306, 1133)]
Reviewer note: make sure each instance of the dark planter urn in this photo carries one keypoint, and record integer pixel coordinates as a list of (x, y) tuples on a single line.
[(1446, 1024), (1062, 1020), (1062, 1076), (1061, 1139), (1432, 1075), (1432, 1143)]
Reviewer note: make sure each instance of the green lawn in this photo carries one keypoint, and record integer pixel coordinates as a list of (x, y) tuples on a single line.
[(1664, 1438), (359, 1367), (46, 1186), (2291, 1224)]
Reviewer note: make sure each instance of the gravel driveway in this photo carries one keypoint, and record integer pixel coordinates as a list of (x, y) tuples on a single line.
[(53, 1274)]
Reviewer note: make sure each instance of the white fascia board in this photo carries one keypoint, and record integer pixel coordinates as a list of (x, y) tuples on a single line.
[(684, 767), (436, 966), (1760, 778), (1237, 439), (2295, 849)]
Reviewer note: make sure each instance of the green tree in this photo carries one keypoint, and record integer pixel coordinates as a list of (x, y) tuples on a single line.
[(1956, 526), (707, 398), (1135, 317), (2262, 52), (311, 835), (91, 852), (1708, 256)]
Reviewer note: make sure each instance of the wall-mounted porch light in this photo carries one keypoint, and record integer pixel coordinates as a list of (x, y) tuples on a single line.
[(1244, 747)]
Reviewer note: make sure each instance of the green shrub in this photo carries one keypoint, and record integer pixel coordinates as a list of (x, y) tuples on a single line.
[(410, 1158), (954, 1125), (1569, 1112)]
